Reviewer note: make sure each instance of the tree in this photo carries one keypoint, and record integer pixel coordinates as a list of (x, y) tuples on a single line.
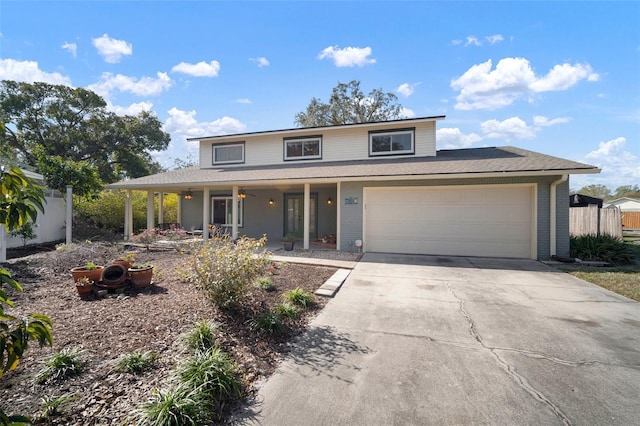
[(598, 191), (632, 191), (20, 200), (348, 105), (72, 139)]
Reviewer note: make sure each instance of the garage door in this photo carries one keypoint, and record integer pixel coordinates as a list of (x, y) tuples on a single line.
[(493, 221)]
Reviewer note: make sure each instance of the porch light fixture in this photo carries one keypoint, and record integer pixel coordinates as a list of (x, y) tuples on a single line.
[(329, 201), (242, 194), (271, 202), (188, 195)]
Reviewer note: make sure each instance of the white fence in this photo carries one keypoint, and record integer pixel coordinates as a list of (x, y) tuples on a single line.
[(50, 225), (595, 221)]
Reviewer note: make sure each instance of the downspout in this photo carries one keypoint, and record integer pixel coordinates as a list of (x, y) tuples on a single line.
[(552, 213)]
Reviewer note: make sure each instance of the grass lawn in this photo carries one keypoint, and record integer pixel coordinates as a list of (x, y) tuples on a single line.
[(624, 280)]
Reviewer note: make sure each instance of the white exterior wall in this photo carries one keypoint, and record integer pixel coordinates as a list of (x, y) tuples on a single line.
[(340, 144), (50, 224), (627, 205)]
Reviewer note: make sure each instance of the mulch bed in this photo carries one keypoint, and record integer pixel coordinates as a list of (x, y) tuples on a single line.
[(154, 318)]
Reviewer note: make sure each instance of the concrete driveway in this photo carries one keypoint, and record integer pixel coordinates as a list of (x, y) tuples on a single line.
[(442, 340)]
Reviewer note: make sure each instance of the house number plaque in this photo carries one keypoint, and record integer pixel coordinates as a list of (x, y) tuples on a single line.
[(351, 200)]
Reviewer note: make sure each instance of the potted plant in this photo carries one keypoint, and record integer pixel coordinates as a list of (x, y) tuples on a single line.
[(140, 275), (84, 286), (113, 276), (89, 270), (126, 260), (288, 241)]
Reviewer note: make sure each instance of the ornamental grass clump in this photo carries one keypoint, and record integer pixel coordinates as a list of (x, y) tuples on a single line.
[(603, 248), (202, 336), (60, 365), (136, 362), (223, 269)]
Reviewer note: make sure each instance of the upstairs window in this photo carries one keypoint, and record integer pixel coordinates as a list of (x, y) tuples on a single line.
[(309, 148), (395, 142), (228, 153)]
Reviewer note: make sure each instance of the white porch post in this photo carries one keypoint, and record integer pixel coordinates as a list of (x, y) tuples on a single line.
[(150, 213), (160, 207), (69, 215), (234, 213), (128, 215), (179, 212), (338, 212), (206, 214), (3, 243), (307, 215)]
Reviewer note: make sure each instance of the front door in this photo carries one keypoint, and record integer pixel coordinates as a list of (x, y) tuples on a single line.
[(294, 215)]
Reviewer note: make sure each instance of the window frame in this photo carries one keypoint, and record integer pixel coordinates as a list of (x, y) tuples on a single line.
[(409, 130), (227, 199), (214, 147), (302, 139)]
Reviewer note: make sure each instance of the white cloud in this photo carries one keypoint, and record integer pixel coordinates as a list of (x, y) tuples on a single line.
[(452, 138), (482, 87), (29, 72), (407, 113), (111, 49), (71, 48), (406, 89), (145, 86), (456, 42), (184, 124), (619, 166), (201, 69), (243, 101), (261, 61), (542, 121), (472, 40), (495, 38), (348, 57), (509, 129), (133, 109)]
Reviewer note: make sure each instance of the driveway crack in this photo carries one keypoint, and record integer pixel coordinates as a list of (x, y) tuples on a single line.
[(520, 380)]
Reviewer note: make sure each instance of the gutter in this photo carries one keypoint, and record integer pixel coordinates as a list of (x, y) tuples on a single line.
[(552, 213)]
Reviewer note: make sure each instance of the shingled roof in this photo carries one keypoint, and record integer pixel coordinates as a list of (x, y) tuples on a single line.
[(506, 160)]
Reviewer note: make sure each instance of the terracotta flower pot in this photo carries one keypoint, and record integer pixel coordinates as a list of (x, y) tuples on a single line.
[(84, 290), (127, 264), (141, 277), (288, 245), (113, 276), (80, 272)]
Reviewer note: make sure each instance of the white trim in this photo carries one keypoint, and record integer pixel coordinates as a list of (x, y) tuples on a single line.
[(391, 152), (338, 205), (234, 212), (237, 213), (150, 212), (226, 145), (534, 205), (303, 141), (206, 212)]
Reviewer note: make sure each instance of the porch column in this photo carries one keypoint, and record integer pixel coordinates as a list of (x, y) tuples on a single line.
[(338, 213), (128, 215), (150, 213), (160, 207), (179, 212), (307, 215), (234, 213), (69, 213), (206, 213)]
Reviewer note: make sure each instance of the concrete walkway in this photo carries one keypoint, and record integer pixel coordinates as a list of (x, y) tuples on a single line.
[(415, 340)]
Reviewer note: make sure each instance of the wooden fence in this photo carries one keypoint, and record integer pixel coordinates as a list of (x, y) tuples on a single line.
[(594, 221), (630, 220)]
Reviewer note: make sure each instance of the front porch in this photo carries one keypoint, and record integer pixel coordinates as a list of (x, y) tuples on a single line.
[(308, 211)]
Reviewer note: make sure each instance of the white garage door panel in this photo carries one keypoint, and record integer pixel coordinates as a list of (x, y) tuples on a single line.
[(482, 221)]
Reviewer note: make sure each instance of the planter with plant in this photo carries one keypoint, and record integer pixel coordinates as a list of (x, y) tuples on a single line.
[(141, 275), (84, 286), (288, 241), (89, 270), (126, 260)]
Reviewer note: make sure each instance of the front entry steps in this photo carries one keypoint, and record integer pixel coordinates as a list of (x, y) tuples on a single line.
[(333, 284)]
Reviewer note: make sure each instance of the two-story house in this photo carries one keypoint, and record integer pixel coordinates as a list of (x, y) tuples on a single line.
[(378, 187)]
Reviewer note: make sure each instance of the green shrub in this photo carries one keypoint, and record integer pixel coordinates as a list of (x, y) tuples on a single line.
[(266, 284), (223, 269), (202, 336), (136, 362), (65, 363), (52, 405), (171, 408), (213, 377), (287, 310), (603, 248), (299, 297), (267, 322)]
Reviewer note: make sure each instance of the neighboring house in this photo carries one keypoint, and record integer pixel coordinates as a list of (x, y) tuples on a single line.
[(625, 204), (581, 200), (380, 185)]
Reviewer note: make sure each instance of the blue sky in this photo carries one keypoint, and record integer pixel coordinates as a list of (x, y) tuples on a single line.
[(561, 78)]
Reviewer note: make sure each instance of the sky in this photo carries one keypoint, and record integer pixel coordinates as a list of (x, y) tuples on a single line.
[(560, 78)]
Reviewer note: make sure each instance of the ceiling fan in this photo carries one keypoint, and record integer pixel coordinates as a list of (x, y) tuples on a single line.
[(243, 194)]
